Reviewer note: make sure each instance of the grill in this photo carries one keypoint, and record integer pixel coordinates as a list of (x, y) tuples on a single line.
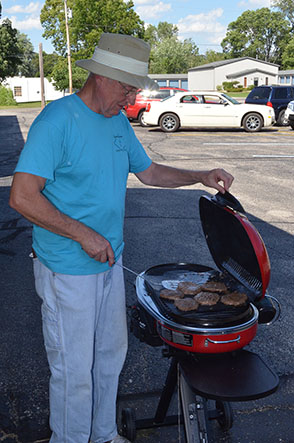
[(206, 345)]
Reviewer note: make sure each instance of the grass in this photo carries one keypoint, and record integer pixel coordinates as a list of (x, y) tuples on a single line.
[(23, 105)]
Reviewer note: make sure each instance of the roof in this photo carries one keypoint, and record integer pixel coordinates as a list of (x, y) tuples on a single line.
[(247, 72), (214, 65)]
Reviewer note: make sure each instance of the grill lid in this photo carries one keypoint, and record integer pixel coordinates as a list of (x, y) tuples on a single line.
[(234, 243)]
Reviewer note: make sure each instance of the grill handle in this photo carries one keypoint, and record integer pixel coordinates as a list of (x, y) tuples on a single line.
[(217, 342)]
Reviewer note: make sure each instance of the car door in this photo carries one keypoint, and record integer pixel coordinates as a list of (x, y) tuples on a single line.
[(189, 110), (217, 111)]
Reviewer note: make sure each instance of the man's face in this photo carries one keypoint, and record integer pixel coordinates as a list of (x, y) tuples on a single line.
[(115, 96)]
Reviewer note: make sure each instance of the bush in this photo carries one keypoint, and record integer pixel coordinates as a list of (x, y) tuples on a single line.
[(232, 86), (6, 97)]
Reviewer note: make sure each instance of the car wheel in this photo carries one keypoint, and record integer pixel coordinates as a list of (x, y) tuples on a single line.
[(292, 126), (252, 122), (141, 119), (169, 122), (282, 120)]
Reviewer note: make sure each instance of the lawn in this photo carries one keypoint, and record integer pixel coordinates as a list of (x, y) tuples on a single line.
[(23, 105)]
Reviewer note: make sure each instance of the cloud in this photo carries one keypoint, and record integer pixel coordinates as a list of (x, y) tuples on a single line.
[(151, 9), (254, 3), (204, 23), (31, 8), (30, 22)]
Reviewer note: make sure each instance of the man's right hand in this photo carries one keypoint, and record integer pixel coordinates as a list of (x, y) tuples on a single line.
[(97, 247)]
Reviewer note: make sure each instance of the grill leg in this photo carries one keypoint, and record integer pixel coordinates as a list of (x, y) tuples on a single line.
[(194, 413), (167, 392)]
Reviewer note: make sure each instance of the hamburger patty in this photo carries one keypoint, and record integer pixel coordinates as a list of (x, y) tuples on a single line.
[(234, 299), (207, 298), (214, 286), (170, 294), (189, 287), (187, 304)]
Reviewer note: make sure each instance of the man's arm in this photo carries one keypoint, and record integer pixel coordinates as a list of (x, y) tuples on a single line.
[(27, 199), (168, 177)]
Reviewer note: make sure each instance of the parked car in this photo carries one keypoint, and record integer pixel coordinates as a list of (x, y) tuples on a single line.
[(289, 114), (207, 109), (276, 97), (135, 112)]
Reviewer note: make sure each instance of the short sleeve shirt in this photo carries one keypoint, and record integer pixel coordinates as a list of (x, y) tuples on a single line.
[(85, 159)]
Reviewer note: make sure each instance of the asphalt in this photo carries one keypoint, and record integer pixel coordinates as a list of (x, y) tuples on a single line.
[(161, 226)]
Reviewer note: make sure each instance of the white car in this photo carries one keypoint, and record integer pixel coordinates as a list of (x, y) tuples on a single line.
[(207, 109), (289, 114)]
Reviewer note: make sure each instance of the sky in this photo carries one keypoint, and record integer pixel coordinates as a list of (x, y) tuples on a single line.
[(205, 22)]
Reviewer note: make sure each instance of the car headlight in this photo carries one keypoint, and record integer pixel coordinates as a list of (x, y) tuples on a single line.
[(291, 106)]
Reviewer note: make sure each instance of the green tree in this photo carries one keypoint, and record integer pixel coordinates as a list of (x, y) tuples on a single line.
[(287, 8), (154, 35), (171, 56), (26, 52), (261, 34), (10, 57), (59, 75), (87, 20), (212, 56), (288, 55), (49, 61), (6, 96)]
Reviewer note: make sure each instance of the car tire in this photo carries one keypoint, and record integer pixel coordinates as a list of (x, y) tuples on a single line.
[(252, 122), (169, 122), (282, 120), (141, 119), (292, 126)]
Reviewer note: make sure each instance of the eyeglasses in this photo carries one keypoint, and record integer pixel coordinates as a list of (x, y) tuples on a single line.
[(128, 92)]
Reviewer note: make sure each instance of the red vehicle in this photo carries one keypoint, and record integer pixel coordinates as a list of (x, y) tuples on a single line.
[(135, 112)]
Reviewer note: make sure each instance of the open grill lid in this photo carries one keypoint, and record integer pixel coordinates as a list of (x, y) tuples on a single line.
[(235, 245)]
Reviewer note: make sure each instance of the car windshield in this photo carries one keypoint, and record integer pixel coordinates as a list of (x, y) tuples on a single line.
[(231, 99), (259, 93)]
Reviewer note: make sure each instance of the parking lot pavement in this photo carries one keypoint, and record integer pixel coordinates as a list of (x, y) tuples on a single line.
[(161, 226)]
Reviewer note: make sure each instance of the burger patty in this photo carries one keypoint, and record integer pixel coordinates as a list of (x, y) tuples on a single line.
[(214, 286), (207, 298), (187, 304), (234, 299), (189, 287), (170, 294)]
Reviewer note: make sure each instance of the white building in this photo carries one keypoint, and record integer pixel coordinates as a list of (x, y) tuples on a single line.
[(28, 89), (245, 70)]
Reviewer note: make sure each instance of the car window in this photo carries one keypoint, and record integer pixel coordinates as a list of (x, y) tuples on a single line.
[(191, 99), (213, 99), (292, 92), (259, 93), (162, 94), (280, 93)]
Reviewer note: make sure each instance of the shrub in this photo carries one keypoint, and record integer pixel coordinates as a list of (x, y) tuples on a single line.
[(232, 86), (6, 96)]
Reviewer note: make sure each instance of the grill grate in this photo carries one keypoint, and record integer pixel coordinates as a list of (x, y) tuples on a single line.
[(243, 276)]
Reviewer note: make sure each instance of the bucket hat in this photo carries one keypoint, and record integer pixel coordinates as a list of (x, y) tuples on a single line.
[(123, 58)]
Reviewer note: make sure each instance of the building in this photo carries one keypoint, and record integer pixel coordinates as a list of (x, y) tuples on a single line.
[(28, 89), (246, 71)]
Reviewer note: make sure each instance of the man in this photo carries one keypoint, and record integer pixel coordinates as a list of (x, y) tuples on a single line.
[(70, 182)]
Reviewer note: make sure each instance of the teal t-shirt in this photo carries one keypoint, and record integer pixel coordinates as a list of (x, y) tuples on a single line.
[(85, 158)]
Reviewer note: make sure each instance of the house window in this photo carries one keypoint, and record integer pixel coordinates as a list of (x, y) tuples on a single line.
[(288, 79), (282, 79), (255, 81), (17, 91)]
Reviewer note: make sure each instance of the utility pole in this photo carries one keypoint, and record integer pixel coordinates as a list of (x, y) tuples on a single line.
[(41, 75), (68, 48)]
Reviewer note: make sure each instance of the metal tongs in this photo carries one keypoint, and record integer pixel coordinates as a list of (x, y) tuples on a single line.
[(152, 283)]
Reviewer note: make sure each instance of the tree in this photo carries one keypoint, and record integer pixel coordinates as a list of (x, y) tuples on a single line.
[(154, 35), (212, 56), (26, 51), (288, 55), (59, 75), (87, 20), (287, 7), (260, 34), (10, 58), (171, 56), (49, 62)]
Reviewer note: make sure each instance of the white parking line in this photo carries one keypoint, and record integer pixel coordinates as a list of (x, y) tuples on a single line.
[(249, 144)]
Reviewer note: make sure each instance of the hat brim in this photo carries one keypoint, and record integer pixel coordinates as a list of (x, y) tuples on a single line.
[(138, 81)]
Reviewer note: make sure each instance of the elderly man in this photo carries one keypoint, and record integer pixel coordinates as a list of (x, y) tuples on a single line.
[(70, 182)]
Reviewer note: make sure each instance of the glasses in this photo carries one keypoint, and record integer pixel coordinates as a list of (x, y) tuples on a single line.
[(128, 92)]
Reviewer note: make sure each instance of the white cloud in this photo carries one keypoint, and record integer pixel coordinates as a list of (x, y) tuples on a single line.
[(31, 8), (152, 9), (205, 22), (29, 23), (254, 3)]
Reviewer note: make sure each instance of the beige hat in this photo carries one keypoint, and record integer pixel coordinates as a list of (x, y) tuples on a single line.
[(123, 58)]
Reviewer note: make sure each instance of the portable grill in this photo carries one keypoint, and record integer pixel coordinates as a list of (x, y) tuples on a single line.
[(206, 344)]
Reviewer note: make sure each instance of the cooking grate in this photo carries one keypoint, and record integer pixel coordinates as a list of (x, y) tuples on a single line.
[(243, 276)]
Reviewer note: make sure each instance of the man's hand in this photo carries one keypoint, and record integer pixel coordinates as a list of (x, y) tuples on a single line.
[(97, 247), (213, 177)]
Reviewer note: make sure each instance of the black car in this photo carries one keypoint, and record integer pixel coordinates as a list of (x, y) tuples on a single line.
[(277, 97)]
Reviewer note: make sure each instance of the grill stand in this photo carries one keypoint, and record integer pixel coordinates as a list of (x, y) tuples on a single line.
[(237, 376)]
